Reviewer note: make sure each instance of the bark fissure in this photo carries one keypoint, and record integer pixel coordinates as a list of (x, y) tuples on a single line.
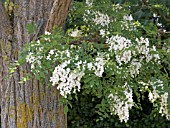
[(5, 27), (58, 14)]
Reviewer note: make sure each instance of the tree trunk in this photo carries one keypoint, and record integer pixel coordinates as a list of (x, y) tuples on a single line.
[(31, 104)]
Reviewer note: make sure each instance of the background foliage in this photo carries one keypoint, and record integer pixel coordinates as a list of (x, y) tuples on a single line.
[(84, 112), (90, 108)]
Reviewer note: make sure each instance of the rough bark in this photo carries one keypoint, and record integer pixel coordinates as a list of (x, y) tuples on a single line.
[(58, 15), (4, 24), (31, 104)]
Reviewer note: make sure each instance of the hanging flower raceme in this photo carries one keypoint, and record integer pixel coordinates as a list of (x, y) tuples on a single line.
[(66, 80), (121, 105)]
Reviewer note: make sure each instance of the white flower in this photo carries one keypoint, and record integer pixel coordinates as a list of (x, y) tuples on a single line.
[(71, 46), (89, 2), (153, 96), (47, 33), (156, 94), (48, 57), (154, 15), (127, 23), (56, 54), (32, 66), (128, 18), (99, 71), (51, 52), (102, 32), (117, 7), (76, 33), (90, 66), (76, 57), (30, 58), (159, 24), (38, 41), (148, 57), (67, 53), (143, 48), (65, 63), (143, 41), (119, 45), (78, 64)]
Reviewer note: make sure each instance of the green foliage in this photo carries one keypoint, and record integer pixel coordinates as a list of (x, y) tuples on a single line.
[(112, 70), (85, 114)]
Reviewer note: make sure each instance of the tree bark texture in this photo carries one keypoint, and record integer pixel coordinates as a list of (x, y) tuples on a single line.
[(31, 104)]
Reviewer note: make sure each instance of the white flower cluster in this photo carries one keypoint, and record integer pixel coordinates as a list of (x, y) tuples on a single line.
[(127, 23), (47, 33), (80, 64), (98, 66), (96, 18), (155, 94), (63, 55), (143, 48), (117, 7), (128, 18), (120, 105), (164, 105), (51, 52), (89, 2), (135, 67), (86, 15), (30, 58), (104, 32), (119, 44), (101, 19), (144, 51), (76, 33), (34, 60), (66, 80)]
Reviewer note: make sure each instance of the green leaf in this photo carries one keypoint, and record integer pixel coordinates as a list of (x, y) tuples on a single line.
[(65, 109), (42, 74), (88, 79)]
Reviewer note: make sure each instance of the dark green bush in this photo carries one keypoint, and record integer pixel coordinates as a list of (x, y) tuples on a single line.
[(83, 114)]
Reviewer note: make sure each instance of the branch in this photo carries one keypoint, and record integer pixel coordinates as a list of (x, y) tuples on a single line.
[(58, 14), (5, 27)]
